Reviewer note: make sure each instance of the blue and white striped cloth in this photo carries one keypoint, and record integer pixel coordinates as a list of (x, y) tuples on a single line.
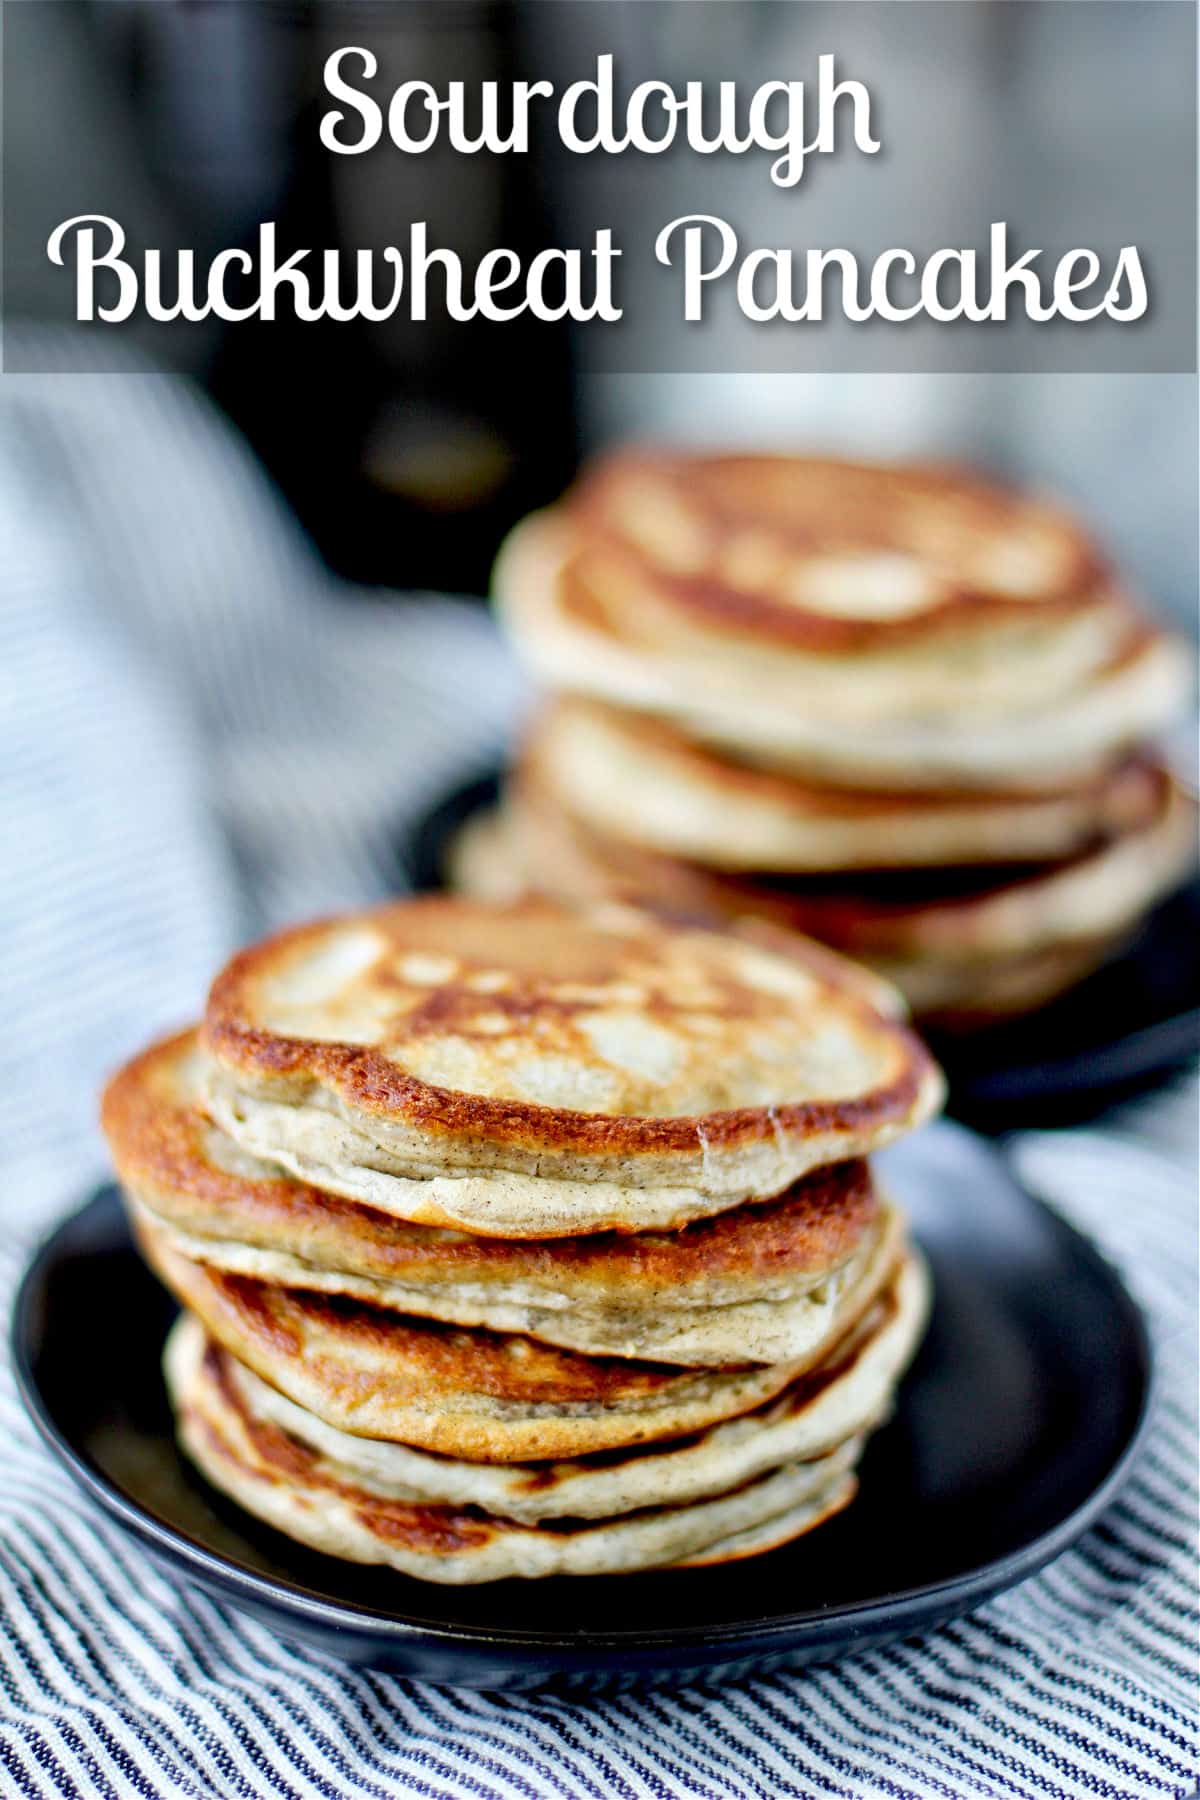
[(200, 738)]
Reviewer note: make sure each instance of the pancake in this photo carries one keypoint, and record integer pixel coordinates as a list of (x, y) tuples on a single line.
[(969, 994), (320, 1503), (534, 1071), (943, 994), (771, 1327), (756, 1284), (482, 861), (969, 943), (976, 691), (479, 1395), (847, 1395), (638, 778), (499, 856), (830, 554)]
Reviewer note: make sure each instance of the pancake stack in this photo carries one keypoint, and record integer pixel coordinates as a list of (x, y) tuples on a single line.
[(526, 1241), (900, 710)]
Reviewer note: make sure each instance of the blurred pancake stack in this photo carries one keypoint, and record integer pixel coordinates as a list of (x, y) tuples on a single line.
[(898, 709), (526, 1241)]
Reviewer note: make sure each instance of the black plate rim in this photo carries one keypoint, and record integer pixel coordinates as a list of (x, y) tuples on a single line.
[(900, 1613)]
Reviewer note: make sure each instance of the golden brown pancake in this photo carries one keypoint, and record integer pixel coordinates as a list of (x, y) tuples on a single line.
[(756, 1283), (847, 1394), (831, 554), (958, 943), (483, 1396), (641, 780), (537, 1071), (331, 1508), (849, 625)]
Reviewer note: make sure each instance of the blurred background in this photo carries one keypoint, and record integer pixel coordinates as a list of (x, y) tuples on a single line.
[(406, 451)]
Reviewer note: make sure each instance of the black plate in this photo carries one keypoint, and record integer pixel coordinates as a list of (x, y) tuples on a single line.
[(1132, 1025), (1011, 1435)]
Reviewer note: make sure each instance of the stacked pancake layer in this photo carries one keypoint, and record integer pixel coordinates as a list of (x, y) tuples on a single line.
[(519, 1242), (899, 709)]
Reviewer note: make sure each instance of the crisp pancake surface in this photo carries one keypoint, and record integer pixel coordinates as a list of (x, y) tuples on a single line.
[(756, 1283), (641, 779), (1033, 696), (533, 1070), (480, 1395), (845, 1396), (316, 1500)]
